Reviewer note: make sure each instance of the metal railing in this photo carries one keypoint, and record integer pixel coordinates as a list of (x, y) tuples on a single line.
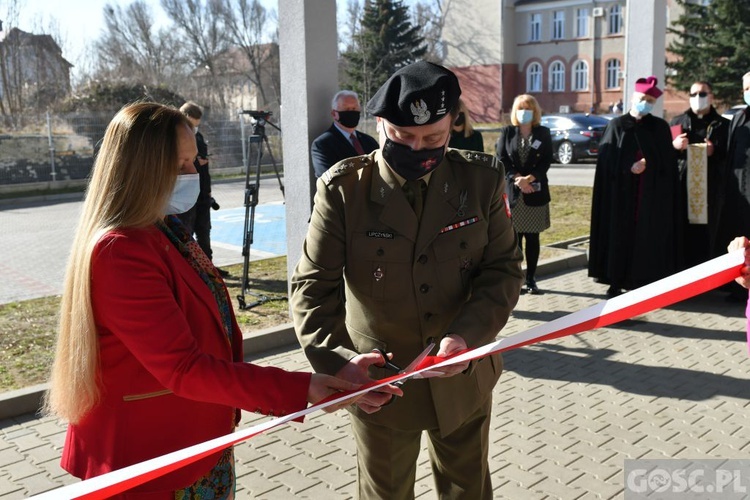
[(61, 147)]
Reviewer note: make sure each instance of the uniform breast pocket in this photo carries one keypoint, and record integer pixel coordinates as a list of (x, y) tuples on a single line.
[(380, 267), (459, 253)]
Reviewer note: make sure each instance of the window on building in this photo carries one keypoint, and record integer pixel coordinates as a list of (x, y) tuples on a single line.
[(615, 19), (582, 23), (558, 25), (613, 73), (535, 27), (534, 78), (580, 75), (557, 77)]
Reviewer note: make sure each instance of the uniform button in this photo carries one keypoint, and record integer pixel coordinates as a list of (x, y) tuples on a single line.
[(424, 288), (422, 259), (464, 245), (380, 252), (427, 317)]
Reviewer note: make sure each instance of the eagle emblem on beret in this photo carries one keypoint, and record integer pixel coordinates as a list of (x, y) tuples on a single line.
[(420, 112)]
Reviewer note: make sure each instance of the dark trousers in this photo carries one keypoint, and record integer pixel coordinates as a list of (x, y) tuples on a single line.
[(202, 227)]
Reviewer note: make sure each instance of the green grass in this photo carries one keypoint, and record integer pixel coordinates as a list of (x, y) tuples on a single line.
[(27, 328)]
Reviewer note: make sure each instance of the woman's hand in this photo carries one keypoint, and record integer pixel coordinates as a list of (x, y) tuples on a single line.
[(524, 184), (736, 244), (322, 386), (356, 371)]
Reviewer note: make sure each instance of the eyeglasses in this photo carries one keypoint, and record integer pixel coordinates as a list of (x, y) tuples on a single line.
[(698, 94)]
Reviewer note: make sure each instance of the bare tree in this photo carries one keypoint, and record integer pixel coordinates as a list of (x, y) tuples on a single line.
[(11, 78), (350, 26), (205, 40), (132, 50), (247, 23), (430, 17)]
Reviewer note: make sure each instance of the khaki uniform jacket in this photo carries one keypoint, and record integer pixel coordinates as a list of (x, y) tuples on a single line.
[(407, 284)]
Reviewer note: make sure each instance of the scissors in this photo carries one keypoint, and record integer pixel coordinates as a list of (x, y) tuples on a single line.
[(412, 366)]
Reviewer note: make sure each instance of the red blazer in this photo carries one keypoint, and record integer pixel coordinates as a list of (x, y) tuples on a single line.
[(169, 377)]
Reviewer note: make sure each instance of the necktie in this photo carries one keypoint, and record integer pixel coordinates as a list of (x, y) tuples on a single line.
[(414, 191), (357, 145)]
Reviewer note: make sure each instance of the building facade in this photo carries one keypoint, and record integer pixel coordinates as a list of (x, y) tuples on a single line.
[(33, 72), (569, 54)]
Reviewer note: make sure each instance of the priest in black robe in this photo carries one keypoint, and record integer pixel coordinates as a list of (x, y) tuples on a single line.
[(701, 123), (634, 212)]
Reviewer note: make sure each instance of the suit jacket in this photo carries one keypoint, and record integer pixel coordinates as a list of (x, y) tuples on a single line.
[(169, 376), (409, 283), (204, 196), (537, 163), (331, 147)]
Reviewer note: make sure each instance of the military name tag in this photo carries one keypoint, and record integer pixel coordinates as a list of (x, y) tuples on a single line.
[(463, 223), (380, 234)]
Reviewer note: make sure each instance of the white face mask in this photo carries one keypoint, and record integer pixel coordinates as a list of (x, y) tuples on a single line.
[(184, 194), (698, 103)]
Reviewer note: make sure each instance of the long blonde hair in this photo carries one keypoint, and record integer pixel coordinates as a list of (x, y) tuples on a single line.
[(132, 179)]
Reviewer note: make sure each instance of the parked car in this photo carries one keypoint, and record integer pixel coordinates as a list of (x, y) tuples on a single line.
[(575, 136), (729, 113)]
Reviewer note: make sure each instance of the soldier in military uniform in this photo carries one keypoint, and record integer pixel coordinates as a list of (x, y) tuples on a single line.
[(419, 236)]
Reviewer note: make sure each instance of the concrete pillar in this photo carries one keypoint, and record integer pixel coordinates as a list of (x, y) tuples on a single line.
[(645, 27), (309, 78)]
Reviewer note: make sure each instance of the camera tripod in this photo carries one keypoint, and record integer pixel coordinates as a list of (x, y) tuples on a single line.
[(259, 120)]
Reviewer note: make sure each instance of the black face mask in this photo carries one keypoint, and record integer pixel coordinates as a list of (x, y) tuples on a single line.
[(460, 120), (410, 164), (349, 119)]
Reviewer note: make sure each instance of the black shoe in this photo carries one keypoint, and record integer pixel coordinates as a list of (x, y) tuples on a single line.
[(223, 273), (532, 289), (613, 291)]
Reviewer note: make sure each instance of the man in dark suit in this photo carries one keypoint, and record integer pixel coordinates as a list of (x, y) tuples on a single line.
[(341, 140)]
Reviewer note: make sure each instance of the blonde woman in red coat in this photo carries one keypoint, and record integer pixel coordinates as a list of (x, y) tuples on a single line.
[(149, 354)]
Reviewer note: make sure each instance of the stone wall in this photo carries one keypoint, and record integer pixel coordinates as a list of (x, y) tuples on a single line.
[(26, 158)]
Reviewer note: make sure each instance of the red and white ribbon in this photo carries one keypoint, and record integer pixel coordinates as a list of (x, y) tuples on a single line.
[(662, 293)]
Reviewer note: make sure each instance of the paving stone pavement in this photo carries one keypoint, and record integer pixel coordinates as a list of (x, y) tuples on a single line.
[(673, 383)]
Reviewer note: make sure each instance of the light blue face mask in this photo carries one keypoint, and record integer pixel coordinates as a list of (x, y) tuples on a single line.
[(524, 116), (643, 107), (746, 95), (184, 194)]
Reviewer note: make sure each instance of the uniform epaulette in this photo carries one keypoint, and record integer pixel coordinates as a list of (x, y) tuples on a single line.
[(346, 166), (476, 158)]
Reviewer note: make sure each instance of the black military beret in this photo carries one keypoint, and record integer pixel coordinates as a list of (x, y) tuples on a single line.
[(418, 94)]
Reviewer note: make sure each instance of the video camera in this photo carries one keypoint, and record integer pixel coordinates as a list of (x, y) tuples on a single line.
[(257, 115)]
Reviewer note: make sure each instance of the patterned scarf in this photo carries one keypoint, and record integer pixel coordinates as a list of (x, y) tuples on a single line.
[(177, 233)]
